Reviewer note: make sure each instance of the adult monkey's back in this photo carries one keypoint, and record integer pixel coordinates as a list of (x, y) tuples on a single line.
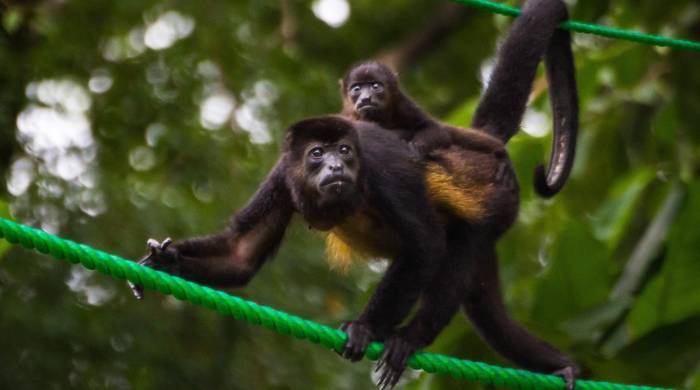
[(371, 92)]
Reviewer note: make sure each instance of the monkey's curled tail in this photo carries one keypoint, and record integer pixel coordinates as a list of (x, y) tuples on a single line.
[(564, 97), (534, 35)]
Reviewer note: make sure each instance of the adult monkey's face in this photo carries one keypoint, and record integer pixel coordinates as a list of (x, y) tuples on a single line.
[(369, 88), (331, 170)]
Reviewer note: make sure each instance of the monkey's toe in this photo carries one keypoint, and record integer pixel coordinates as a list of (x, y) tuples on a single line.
[(569, 376), (359, 337), (392, 364)]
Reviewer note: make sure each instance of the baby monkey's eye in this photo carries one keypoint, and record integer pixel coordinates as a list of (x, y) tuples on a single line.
[(345, 149), (377, 86), (316, 152), (355, 88)]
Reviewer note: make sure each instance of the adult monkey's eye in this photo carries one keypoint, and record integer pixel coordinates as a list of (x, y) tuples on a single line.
[(345, 149), (377, 86), (355, 89), (316, 153)]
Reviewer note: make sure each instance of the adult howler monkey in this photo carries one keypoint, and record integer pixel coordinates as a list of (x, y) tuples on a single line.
[(349, 177), (371, 92)]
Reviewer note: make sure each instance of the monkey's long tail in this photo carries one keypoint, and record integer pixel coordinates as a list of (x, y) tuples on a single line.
[(534, 35), (561, 76)]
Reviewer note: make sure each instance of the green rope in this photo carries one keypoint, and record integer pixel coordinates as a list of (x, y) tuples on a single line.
[(275, 320), (610, 32)]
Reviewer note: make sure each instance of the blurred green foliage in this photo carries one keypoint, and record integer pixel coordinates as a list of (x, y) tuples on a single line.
[(126, 120)]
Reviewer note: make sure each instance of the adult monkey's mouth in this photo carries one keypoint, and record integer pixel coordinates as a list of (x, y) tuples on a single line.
[(336, 179), (369, 106)]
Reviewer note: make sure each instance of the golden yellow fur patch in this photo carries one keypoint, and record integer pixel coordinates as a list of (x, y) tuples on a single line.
[(361, 237), (338, 253), (462, 199)]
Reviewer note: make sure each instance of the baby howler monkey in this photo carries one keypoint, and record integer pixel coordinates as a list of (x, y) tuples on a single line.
[(371, 92)]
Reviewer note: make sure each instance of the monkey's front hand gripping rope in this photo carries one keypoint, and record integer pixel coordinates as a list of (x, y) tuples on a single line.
[(272, 319)]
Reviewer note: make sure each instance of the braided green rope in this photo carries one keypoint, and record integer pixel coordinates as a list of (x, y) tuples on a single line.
[(610, 32), (275, 320)]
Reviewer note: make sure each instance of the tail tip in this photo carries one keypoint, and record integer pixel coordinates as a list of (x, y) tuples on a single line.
[(542, 188)]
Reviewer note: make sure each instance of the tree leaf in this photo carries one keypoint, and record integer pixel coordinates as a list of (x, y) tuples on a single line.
[(673, 295), (613, 218), (577, 279)]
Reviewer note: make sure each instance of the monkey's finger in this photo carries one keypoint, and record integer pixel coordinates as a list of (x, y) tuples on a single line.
[(147, 261), (395, 377), (356, 353), (385, 368), (348, 351), (567, 374), (352, 352), (396, 357), (388, 379), (382, 380), (166, 243), (403, 356), (137, 290), (152, 244), (380, 365), (391, 376)]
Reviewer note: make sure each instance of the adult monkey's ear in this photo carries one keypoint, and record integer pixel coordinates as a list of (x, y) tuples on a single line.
[(341, 83)]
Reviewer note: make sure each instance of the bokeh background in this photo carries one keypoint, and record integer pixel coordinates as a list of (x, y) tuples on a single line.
[(123, 120)]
